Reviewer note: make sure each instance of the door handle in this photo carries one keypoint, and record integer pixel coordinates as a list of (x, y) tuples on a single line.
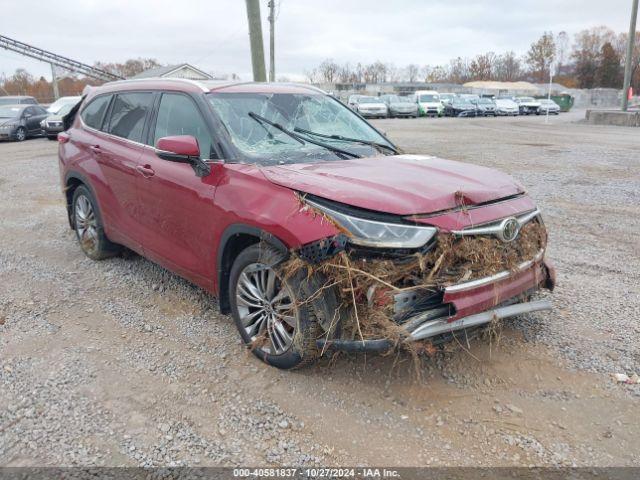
[(145, 170), (95, 149)]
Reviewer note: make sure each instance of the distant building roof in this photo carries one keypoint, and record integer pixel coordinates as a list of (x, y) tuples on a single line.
[(183, 70), (510, 86)]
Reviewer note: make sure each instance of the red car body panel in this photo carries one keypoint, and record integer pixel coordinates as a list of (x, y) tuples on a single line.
[(402, 184), (475, 300), (165, 212)]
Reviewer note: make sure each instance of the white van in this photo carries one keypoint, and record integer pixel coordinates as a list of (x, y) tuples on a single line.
[(429, 103)]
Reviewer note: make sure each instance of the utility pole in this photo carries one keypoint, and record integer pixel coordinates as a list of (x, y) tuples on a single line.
[(272, 41), (255, 36), (551, 67), (627, 65), (54, 82)]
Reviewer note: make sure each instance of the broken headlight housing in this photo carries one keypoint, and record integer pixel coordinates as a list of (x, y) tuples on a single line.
[(373, 233)]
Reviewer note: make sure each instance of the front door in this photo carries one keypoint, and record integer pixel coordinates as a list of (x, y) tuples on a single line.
[(176, 207)]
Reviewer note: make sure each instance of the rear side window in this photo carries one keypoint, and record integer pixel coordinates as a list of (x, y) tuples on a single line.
[(93, 113), (128, 114), (178, 115)]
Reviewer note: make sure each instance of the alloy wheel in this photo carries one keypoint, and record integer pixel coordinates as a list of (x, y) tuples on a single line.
[(86, 224), (21, 134), (266, 309)]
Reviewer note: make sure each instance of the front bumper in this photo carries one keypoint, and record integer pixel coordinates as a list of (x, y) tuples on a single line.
[(373, 113), (470, 304)]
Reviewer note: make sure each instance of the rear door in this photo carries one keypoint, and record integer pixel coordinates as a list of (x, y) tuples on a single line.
[(118, 155), (176, 207)]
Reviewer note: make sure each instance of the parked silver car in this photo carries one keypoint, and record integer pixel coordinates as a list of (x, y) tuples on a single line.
[(369, 107), (486, 106), (400, 106), (505, 106), (550, 106)]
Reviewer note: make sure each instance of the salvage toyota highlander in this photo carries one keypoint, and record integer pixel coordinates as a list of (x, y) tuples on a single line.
[(306, 222)]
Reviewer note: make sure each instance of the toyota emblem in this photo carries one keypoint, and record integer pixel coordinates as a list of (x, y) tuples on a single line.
[(509, 229)]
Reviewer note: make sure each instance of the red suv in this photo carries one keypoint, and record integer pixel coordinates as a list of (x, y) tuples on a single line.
[(306, 222)]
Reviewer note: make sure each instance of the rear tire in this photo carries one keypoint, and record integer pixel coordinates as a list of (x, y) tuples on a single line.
[(52, 137), (87, 223), (272, 314)]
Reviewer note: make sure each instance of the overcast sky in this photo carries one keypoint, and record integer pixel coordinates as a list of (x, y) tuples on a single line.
[(212, 34)]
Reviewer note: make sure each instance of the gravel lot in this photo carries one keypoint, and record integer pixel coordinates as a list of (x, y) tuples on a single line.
[(122, 363)]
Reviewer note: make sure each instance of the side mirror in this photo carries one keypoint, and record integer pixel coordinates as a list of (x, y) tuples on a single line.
[(27, 115), (183, 149)]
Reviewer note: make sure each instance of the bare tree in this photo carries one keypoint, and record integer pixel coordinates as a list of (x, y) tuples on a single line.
[(541, 55), (508, 67), (328, 71), (458, 70), (586, 53), (412, 72), (482, 66)]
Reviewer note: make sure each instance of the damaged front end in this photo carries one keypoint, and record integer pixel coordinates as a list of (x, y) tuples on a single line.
[(399, 282)]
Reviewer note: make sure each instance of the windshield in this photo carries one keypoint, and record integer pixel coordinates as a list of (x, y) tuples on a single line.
[(264, 144), (485, 101), (64, 109), (526, 99), (368, 100), (56, 106), (429, 98), (9, 112), (404, 100)]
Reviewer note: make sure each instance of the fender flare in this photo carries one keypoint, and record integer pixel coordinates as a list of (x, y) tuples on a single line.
[(224, 270)]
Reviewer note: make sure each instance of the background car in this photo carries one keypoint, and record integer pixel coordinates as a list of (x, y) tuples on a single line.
[(52, 125), (506, 106), (352, 102), (19, 122), (18, 100), (400, 106), (528, 105), (429, 104), (486, 106), (61, 102), (370, 107), (446, 98), (459, 107), (549, 106)]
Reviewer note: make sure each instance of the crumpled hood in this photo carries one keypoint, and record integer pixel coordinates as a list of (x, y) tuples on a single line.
[(401, 184)]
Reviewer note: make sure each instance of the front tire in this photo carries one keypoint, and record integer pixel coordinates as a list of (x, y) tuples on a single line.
[(87, 223), (21, 134), (271, 313)]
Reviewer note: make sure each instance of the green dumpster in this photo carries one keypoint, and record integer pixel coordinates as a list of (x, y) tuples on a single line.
[(564, 100)]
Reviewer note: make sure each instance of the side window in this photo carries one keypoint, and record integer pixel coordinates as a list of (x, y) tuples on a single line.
[(93, 113), (28, 112), (128, 114), (40, 111), (178, 115)]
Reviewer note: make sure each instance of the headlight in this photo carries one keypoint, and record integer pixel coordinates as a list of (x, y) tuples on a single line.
[(371, 233), (42, 123)]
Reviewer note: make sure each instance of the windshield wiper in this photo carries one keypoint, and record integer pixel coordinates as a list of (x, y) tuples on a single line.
[(298, 138), (376, 145)]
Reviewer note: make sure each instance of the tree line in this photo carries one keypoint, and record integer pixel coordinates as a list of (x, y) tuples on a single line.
[(69, 84), (593, 58)]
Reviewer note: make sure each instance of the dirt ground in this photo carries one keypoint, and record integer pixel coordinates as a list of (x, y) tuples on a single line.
[(122, 363)]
